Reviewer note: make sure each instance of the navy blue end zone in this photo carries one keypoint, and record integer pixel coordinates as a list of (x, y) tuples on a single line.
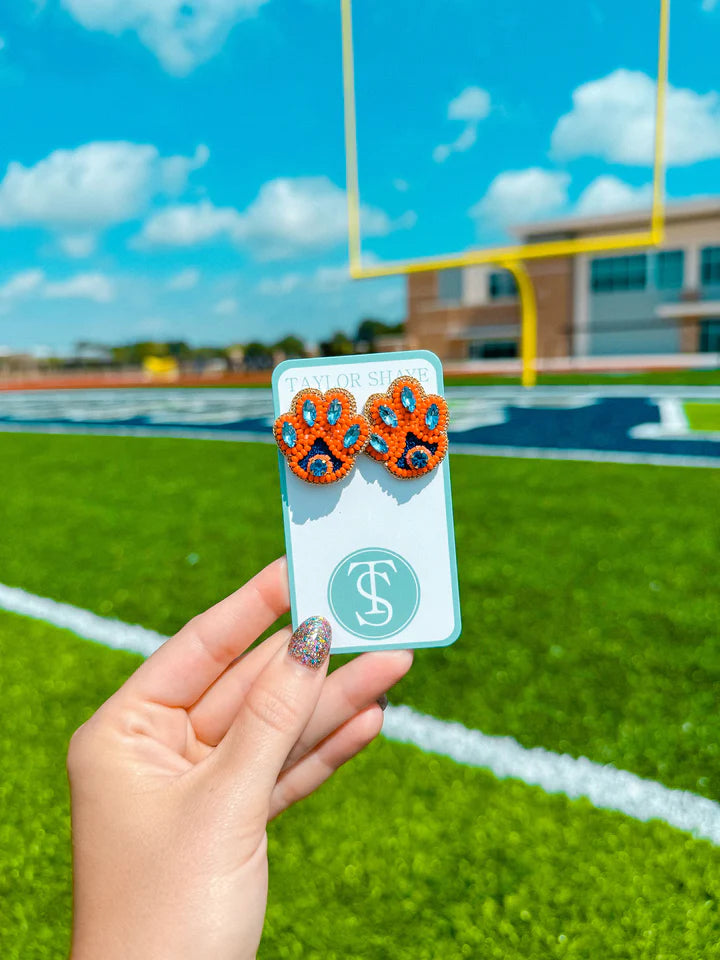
[(630, 423)]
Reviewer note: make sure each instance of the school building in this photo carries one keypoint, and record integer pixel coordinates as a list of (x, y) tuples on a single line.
[(649, 302)]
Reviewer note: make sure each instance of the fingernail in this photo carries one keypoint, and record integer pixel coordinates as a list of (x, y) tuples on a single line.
[(310, 644), (382, 701)]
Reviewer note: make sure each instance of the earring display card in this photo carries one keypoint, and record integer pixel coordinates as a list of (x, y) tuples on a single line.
[(373, 552)]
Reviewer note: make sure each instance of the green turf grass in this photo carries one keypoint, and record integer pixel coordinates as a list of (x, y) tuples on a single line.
[(588, 590), (654, 377), (403, 855), (703, 416)]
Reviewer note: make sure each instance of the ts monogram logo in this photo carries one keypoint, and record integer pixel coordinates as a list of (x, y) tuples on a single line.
[(374, 593)]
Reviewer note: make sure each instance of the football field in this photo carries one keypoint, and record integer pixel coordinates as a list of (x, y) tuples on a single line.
[(590, 610)]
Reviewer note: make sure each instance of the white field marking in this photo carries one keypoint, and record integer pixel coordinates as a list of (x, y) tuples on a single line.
[(473, 449), (112, 633), (606, 787), (593, 456), (167, 433), (673, 425)]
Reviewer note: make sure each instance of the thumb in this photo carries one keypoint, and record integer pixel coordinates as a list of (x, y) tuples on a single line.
[(275, 711)]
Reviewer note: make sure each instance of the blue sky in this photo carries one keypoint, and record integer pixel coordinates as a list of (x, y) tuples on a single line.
[(175, 169)]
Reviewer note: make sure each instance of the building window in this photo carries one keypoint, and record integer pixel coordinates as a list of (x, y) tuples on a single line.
[(670, 269), (710, 336), (710, 266), (450, 285), (502, 285), (613, 274), (492, 349)]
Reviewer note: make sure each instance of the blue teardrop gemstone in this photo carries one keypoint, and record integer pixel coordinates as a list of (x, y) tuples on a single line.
[(408, 399), (388, 416), (351, 437), (432, 417), (419, 459), (377, 443), (288, 434), (309, 413), (334, 412)]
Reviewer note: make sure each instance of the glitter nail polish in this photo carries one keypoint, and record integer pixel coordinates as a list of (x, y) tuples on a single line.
[(310, 644)]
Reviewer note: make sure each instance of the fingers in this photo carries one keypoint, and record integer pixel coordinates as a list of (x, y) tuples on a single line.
[(314, 768), (349, 690), (212, 715), (186, 665), (273, 714)]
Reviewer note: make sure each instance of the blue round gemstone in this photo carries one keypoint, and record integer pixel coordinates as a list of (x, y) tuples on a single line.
[(408, 399), (309, 412), (352, 436), (334, 412), (419, 459), (318, 467), (377, 443), (432, 417), (388, 416), (288, 434)]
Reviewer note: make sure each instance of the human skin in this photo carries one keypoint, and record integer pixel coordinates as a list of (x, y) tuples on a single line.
[(174, 779)]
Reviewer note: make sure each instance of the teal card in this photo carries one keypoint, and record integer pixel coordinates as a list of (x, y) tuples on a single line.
[(373, 551)]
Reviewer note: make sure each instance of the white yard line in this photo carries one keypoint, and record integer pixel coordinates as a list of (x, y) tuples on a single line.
[(112, 633), (606, 787), (474, 449), (592, 456)]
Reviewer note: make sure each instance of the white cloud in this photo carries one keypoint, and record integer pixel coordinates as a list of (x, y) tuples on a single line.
[(279, 286), (470, 106), (23, 283), (330, 278), (94, 185), (184, 280), (303, 213), (402, 186), (609, 194), (709, 5), (189, 224), (287, 217), (82, 286), (522, 195), (226, 307), (322, 279), (181, 34), (78, 245), (614, 118)]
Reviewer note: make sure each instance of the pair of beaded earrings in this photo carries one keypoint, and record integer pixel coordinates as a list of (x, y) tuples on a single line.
[(405, 429)]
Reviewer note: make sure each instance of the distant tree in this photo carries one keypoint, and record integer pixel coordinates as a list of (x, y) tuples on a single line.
[(133, 354), (258, 356), (339, 345), (178, 349), (291, 346), (370, 329)]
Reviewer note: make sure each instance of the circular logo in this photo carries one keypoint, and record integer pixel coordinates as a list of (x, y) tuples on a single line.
[(374, 593)]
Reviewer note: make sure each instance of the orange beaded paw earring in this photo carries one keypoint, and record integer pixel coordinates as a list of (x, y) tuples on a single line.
[(321, 435), (408, 428)]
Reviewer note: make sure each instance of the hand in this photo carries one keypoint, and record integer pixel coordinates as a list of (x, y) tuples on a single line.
[(175, 777)]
